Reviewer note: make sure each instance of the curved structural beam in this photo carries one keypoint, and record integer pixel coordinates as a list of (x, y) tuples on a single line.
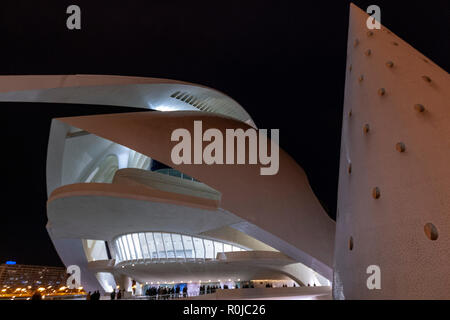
[(394, 182)]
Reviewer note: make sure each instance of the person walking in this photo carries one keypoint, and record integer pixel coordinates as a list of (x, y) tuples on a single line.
[(36, 296), (96, 295)]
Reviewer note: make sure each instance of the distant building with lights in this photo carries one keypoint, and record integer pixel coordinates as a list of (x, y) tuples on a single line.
[(31, 277)]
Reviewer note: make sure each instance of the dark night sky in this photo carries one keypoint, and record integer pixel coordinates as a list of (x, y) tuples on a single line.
[(283, 61)]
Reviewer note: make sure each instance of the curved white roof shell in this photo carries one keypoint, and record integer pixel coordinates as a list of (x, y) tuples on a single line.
[(146, 93)]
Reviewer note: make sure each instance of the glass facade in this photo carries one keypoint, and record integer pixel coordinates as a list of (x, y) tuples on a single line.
[(168, 246), (175, 173)]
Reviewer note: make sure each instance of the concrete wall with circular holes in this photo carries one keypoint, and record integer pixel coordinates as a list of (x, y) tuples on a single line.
[(394, 180)]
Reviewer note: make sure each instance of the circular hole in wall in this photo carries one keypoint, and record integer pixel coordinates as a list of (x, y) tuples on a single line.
[(366, 128), (419, 108), (426, 79), (376, 193), (400, 146), (431, 231), (350, 243)]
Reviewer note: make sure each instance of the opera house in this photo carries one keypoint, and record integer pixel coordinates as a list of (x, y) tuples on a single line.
[(120, 209)]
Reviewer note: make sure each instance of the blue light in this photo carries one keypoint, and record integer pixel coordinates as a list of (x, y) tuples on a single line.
[(10, 262)]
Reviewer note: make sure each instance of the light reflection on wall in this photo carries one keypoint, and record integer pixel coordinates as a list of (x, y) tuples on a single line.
[(106, 280)]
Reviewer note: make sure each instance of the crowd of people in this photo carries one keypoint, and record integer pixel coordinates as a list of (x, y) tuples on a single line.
[(210, 289), (270, 285), (175, 292), (94, 296), (166, 292), (119, 295)]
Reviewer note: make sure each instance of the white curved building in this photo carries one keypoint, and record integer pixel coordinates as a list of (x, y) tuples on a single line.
[(115, 210)]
